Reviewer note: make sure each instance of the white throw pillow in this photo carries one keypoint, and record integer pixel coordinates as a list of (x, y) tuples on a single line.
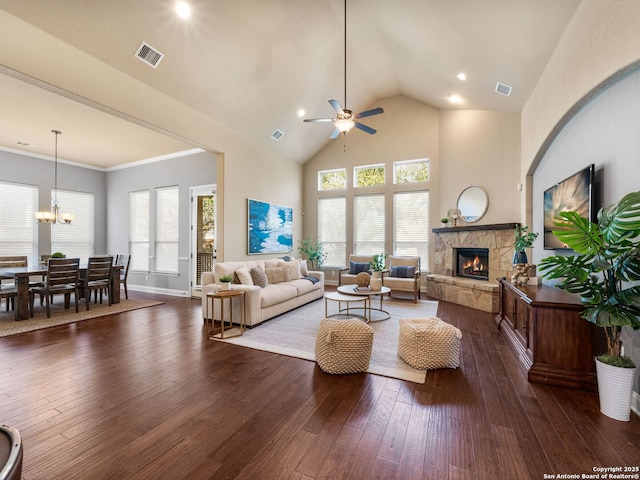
[(304, 271), (244, 276)]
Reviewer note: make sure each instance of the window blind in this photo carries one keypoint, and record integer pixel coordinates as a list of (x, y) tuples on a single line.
[(411, 225), (75, 240), (167, 229), (332, 232), (18, 226), (368, 224), (139, 230)]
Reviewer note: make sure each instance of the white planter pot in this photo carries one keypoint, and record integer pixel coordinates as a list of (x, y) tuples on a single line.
[(225, 285), (615, 387)]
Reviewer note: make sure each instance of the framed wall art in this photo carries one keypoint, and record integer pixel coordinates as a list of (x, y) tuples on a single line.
[(270, 228)]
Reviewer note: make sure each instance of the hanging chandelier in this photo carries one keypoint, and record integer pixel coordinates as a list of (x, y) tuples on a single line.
[(54, 216)]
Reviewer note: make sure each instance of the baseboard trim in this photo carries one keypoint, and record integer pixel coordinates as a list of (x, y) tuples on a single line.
[(159, 291)]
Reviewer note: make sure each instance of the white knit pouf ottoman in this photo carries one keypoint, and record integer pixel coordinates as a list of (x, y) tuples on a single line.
[(343, 346), (429, 343)]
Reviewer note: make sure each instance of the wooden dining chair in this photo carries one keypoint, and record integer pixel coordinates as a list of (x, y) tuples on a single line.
[(124, 261), (97, 278), (9, 293), (62, 278)]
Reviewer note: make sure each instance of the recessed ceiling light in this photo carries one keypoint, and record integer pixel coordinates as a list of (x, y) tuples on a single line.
[(462, 76), (455, 98), (183, 9), (301, 113)]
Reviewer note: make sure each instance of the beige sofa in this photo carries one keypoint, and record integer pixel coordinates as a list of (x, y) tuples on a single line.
[(285, 288)]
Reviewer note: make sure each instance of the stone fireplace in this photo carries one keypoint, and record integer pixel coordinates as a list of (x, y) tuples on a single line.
[(448, 283)]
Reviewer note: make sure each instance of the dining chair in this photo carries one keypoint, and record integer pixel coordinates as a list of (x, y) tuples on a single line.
[(16, 261), (62, 278), (124, 261), (8, 292), (97, 278)]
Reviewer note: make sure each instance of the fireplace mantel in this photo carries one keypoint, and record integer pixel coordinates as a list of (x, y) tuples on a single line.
[(471, 228)]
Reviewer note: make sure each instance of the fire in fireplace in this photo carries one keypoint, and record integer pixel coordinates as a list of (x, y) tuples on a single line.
[(472, 263)]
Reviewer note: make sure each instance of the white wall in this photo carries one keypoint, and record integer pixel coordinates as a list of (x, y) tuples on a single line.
[(605, 133)]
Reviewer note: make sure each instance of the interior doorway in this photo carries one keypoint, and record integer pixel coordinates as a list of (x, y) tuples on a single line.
[(203, 234)]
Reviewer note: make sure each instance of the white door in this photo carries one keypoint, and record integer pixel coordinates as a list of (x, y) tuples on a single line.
[(203, 234)]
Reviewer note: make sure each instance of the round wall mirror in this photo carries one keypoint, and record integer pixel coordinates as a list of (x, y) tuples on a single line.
[(473, 203)]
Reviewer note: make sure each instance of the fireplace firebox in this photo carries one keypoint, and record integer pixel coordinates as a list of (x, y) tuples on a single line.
[(472, 263)]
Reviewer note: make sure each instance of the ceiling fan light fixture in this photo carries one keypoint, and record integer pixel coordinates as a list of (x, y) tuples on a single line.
[(344, 124)]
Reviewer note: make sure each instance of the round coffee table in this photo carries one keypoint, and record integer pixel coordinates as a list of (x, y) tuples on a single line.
[(341, 297), (353, 290)]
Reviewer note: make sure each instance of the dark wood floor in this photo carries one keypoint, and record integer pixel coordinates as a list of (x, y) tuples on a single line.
[(145, 395)]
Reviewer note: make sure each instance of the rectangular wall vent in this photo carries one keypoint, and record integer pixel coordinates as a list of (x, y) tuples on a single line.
[(503, 89), (149, 55), (277, 135)]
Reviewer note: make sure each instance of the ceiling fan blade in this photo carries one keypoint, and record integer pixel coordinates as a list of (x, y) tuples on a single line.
[(336, 106), (318, 119), (335, 133), (364, 128), (368, 113)]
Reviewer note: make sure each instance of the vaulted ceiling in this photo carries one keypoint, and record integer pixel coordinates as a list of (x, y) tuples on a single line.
[(252, 64)]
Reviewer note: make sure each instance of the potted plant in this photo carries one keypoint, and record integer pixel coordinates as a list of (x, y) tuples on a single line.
[(445, 221), (225, 282), (523, 239), (377, 267), (607, 258), (313, 251), (58, 255)]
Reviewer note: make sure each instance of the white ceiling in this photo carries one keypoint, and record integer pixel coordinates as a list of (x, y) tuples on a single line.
[(251, 64)]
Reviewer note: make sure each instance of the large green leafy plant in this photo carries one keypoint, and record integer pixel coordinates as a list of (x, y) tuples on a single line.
[(313, 251), (606, 263)]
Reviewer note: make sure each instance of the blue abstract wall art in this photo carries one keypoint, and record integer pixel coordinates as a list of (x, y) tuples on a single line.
[(270, 228)]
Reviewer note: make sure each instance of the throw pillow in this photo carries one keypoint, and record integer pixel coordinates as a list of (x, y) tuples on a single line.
[(259, 277), (402, 272), (357, 267), (294, 270), (278, 274), (243, 275), (304, 270)]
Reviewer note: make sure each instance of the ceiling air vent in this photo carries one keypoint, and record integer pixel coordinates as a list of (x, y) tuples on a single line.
[(503, 89), (149, 55), (277, 135)]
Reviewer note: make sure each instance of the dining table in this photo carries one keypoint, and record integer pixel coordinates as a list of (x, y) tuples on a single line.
[(22, 275)]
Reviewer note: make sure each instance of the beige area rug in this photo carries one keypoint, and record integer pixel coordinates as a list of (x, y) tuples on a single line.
[(294, 334), (60, 316)]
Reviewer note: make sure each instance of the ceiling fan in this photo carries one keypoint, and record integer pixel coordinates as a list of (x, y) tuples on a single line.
[(345, 119)]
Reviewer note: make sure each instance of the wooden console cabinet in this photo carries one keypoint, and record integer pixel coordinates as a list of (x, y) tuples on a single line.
[(553, 343)]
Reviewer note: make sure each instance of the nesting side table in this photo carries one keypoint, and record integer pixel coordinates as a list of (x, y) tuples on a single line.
[(223, 295)]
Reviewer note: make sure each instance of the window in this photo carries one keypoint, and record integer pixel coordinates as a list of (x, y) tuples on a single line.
[(139, 230), (332, 232), (411, 171), (332, 179), (368, 224), (368, 176), (411, 225), (167, 229), (75, 240), (18, 226)]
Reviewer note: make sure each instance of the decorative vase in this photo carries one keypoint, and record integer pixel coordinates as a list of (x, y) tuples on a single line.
[(376, 281), (520, 256), (615, 387)]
